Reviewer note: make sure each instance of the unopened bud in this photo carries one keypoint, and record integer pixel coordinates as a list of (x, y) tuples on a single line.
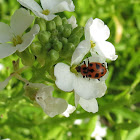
[(64, 21), (54, 55), (50, 25), (67, 30), (64, 40), (57, 20), (57, 45), (36, 48), (48, 46), (74, 39), (60, 28), (44, 36), (42, 23), (54, 32), (53, 39), (26, 57), (68, 50), (79, 31)]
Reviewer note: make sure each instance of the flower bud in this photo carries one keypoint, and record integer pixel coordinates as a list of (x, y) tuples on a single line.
[(68, 50), (42, 23), (54, 32), (79, 31), (64, 21), (36, 48), (53, 39), (48, 46), (57, 45), (74, 39), (44, 36), (26, 57), (50, 25), (54, 55), (64, 40), (60, 28), (57, 20), (67, 30)]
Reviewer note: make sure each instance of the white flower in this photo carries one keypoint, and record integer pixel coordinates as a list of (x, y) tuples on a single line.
[(99, 131), (50, 105), (49, 7), (12, 38), (70, 109), (96, 34), (85, 90)]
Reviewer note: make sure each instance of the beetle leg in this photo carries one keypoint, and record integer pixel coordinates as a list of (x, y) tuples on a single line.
[(84, 62), (98, 79), (88, 61), (83, 76)]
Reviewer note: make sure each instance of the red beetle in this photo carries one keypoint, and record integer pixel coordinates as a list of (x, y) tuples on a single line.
[(94, 70)]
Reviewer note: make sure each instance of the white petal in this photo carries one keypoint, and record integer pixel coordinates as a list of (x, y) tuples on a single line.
[(106, 49), (70, 109), (5, 83), (46, 17), (72, 21), (96, 58), (44, 91), (55, 106), (77, 98), (89, 105), (79, 53), (30, 4), (5, 33), (95, 30), (28, 38), (89, 89), (64, 77), (20, 21), (6, 49), (51, 106), (56, 6)]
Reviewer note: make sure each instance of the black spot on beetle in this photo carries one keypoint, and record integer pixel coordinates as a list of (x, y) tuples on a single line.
[(85, 68), (97, 75), (89, 75), (85, 72), (97, 66), (92, 70), (90, 65)]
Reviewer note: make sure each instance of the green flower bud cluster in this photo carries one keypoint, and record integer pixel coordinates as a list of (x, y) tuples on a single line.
[(56, 40)]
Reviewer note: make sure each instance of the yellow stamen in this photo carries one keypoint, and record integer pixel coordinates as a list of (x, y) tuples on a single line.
[(17, 40), (46, 12), (92, 44)]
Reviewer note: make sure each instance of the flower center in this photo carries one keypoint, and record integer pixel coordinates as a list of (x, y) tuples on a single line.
[(92, 44), (17, 40), (73, 69), (45, 12)]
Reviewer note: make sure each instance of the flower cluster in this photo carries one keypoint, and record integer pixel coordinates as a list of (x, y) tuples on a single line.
[(57, 55)]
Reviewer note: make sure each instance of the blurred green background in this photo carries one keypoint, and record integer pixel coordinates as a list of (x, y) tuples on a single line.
[(119, 109)]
